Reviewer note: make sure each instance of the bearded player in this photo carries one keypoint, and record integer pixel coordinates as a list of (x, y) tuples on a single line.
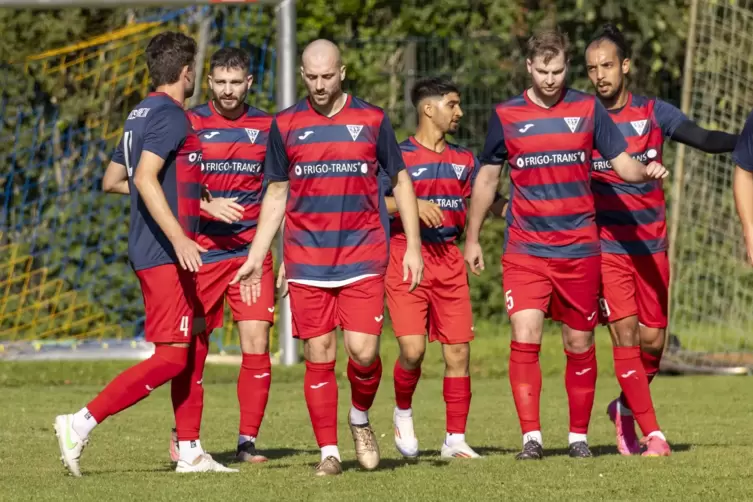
[(551, 259), (233, 137), (322, 164), (633, 234)]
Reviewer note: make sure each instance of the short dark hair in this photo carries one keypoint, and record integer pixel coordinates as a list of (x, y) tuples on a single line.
[(230, 57), (431, 87), (611, 33), (167, 54), (548, 44)]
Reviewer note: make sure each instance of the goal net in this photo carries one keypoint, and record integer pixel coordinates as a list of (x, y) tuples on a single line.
[(711, 323)]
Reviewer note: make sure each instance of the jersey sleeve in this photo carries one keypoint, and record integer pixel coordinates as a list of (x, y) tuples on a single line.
[(495, 149), (743, 154), (668, 116), (385, 183), (608, 139), (166, 131), (471, 179), (387, 150), (276, 162), (118, 155)]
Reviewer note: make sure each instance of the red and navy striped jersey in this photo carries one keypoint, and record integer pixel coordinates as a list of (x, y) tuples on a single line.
[(631, 216), (159, 125), (551, 210), (232, 166), (743, 154), (335, 219), (442, 178)]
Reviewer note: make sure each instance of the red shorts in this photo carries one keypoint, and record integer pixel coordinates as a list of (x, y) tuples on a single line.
[(635, 285), (565, 289), (441, 305), (170, 303), (214, 286), (359, 307)]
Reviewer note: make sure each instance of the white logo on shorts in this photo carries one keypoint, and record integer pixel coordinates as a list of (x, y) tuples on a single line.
[(379, 318)]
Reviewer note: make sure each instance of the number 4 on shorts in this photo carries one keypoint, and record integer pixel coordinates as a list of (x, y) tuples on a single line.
[(508, 299), (184, 325)]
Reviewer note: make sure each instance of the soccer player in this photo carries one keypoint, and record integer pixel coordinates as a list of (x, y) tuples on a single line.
[(551, 260), (442, 174), (743, 183), (157, 162), (322, 163), (633, 233), (233, 137)]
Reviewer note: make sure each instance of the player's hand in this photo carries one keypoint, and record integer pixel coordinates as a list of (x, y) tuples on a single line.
[(282, 283), (413, 266), (474, 257), (224, 209), (249, 278), (188, 253), (205, 194), (430, 213), (656, 171)]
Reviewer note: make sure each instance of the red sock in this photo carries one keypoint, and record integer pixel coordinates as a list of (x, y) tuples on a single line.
[(632, 378), (187, 391), (525, 381), (405, 385), (580, 382), (651, 364), (457, 398), (320, 389), (135, 383), (253, 391), (364, 382)]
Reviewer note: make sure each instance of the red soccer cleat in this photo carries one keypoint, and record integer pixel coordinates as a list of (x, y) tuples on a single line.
[(655, 447), (624, 426)]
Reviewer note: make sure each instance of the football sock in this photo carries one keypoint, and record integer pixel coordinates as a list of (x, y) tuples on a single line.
[(580, 383), (525, 382), (253, 391), (451, 439), (135, 383), (457, 398), (320, 390), (83, 423), (245, 439), (330, 451), (187, 391), (364, 382), (575, 437), (631, 376), (658, 434), (190, 450), (533, 436), (405, 385), (651, 363)]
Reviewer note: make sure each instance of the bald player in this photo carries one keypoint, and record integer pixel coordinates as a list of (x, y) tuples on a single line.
[(323, 159)]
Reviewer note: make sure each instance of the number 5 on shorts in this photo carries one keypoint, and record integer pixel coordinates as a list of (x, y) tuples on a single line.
[(184, 325), (508, 299)]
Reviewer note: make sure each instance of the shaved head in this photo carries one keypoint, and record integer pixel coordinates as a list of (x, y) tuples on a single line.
[(322, 72)]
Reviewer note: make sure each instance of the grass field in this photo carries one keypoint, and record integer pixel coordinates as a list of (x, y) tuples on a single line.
[(708, 420)]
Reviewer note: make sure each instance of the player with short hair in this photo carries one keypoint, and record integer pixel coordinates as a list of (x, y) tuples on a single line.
[(442, 174), (157, 162), (234, 143), (633, 233), (551, 258), (322, 164)]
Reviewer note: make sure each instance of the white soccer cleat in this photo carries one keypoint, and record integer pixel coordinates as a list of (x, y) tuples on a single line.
[(70, 443), (458, 450), (203, 463), (405, 437)]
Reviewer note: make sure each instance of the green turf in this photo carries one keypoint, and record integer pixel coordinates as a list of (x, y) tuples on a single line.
[(706, 419)]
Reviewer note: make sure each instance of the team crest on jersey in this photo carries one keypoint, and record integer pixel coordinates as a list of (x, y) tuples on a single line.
[(572, 123), (639, 126), (354, 131), (252, 134), (458, 168)]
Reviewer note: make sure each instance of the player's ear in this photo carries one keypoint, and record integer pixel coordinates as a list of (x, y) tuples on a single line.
[(625, 66), (303, 74), (250, 80), (529, 63), (342, 73), (427, 107)]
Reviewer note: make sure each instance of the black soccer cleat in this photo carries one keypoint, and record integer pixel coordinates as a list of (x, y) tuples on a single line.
[(247, 453), (580, 449), (532, 450)]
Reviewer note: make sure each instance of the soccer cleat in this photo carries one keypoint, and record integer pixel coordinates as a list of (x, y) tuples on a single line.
[(405, 437), (202, 463), (655, 447), (458, 450), (174, 446), (580, 449), (532, 450), (624, 426), (330, 466), (367, 448), (247, 453), (70, 443)]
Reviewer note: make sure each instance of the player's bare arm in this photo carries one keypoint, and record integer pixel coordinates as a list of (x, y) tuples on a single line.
[(482, 198), (116, 179), (146, 182), (407, 206), (743, 190), (428, 212), (223, 209), (633, 171)]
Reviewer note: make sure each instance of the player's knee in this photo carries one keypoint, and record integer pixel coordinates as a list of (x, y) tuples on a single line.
[(362, 348), (321, 349), (456, 358), (625, 332), (576, 341), (254, 336), (527, 326), (173, 358), (411, 357)]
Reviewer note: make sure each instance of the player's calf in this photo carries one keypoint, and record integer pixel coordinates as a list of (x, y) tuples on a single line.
[(254, 382), (457, 397), (580, 383), (406, 374)]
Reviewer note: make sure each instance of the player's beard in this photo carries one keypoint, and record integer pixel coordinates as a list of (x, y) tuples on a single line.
[(225, 104)]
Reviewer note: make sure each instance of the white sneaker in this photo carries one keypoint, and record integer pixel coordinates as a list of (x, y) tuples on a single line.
[(203, 463), (405, 437), (458, 450), (70, 443)]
